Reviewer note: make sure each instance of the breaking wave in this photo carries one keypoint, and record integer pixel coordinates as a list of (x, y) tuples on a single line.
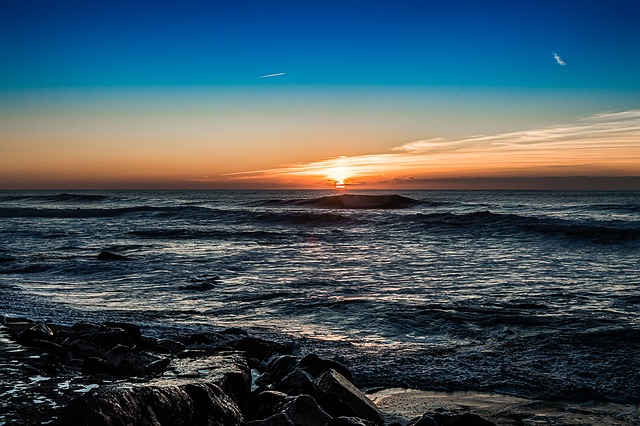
[(552, 226), (348, 201)]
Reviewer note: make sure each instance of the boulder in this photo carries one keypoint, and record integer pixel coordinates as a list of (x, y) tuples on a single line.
[(303, 410), (132, 330), (39, 331), (350, 421), (279, 366), (107, 255), (341, 398), (260, 348), (196, 404), (441, 419), (279, 419), (266, 404), (315, 366)]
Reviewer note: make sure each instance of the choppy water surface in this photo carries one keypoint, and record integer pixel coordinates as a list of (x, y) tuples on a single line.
[(532, 293)]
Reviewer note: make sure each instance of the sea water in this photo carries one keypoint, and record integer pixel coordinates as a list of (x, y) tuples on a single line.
[(529, 293)]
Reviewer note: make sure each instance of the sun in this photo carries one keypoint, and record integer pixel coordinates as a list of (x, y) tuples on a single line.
[(338, 175)]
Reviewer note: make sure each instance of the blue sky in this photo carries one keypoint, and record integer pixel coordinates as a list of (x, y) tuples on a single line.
[(430, 43), (360, 78)]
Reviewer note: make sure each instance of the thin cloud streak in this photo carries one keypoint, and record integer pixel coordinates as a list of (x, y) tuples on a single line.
[(278, 74), (606, 144), (559, 60)]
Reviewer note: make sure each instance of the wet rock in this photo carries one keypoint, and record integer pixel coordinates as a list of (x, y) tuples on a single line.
[(169, 346), (350, 421), (315, 366), (96, 365), (342, 398), (279, 366), (106, 255), (439, 419), (260, 348), (39, 331), (195, 404), (227, 370), (279, 419), (303, 410), (295, 383), (267, 403), (132, 330)]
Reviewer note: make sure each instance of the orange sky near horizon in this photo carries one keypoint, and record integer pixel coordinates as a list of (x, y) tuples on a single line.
[(268, 144)]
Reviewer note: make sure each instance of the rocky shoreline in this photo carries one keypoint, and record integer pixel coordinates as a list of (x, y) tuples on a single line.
[(112, 374)]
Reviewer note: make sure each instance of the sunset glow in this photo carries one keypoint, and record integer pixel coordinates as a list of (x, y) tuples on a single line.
[(391, 97)]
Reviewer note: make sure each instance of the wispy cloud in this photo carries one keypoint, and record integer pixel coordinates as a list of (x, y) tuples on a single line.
[(278, 74), (558, 59), (605, 144)]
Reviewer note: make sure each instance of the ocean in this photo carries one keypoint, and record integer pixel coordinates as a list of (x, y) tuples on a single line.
[(529, 293)]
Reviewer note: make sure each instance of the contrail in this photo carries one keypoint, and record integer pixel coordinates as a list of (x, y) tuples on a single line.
[(558, 59), (272, 75)]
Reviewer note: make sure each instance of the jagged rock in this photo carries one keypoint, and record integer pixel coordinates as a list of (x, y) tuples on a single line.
[(96, 365), (279, 419), (169, 346), (279, 366), (267, 403), (132, 330), (39, 331), (303, 410), (315, 366), (350, 421), (439, 419), (227, 370), (295, 383), (260, 348), (194, 404), (341, 398), (106, 255)]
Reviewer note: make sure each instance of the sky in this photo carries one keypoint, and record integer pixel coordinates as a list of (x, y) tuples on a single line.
[(306, 94)]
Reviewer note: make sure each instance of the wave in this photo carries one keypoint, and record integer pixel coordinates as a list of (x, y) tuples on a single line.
[(305, 218), (188, 234), (24, 212), (58, 198), (348, 201), (551, 226)]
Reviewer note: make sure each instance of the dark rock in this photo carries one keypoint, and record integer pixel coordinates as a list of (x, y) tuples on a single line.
[(303, 410), (96, 365), (106, 255), (279, 419), (260, 348), (264, 379), (49, 347), (132, 330), (279, 366), (39, 331), (350, 421), (127, 362), (315, 365), (267, 403), (439, 419), (199, 339), (235, 331), (295, 383), (169, 346), (212, 406), (342, 398), (227, 370), (195, 404)]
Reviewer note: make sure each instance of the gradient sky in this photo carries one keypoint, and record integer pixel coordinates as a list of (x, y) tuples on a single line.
[(380, 94)]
